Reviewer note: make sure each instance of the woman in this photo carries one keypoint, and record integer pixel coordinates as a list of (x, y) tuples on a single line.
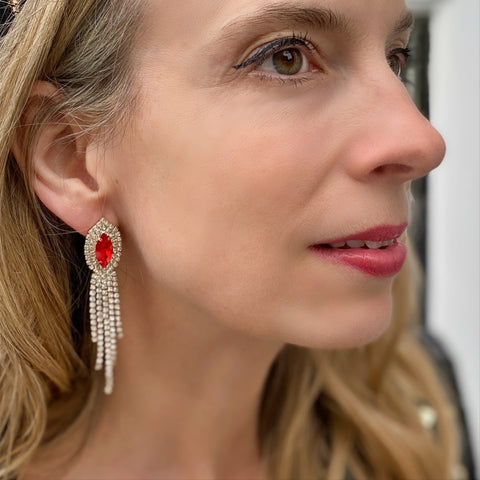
[(256, 157)]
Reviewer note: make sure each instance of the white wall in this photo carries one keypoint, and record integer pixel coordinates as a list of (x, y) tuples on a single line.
[(453, 274)]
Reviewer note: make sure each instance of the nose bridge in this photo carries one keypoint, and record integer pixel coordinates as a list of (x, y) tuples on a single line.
[(394, 138)]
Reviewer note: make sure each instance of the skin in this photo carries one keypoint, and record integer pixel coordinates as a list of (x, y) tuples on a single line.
[(221, 182)]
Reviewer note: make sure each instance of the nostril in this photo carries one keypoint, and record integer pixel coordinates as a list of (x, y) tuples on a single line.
[(390, 168)]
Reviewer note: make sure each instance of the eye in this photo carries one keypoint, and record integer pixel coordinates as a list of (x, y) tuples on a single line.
[(286, 57), (290, 61), (398, 59)]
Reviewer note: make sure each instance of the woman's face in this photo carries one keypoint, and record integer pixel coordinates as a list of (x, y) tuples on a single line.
[(264, 133)]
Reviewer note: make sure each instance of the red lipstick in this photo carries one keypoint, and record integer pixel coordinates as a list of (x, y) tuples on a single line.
[(376, 252)]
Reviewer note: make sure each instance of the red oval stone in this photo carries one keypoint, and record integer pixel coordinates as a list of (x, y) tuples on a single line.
[(104, 250)]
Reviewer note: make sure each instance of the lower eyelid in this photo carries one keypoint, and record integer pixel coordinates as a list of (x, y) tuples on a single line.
[(295, 81)]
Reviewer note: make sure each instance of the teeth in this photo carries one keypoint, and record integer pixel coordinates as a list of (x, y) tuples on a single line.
[(377, 245), (363, 244), (356, 243)]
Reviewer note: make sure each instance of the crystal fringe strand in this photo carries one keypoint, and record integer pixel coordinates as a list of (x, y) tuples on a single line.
[(102, 254)]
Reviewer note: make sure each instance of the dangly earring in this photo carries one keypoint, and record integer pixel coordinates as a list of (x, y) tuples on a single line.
[(103, 247)]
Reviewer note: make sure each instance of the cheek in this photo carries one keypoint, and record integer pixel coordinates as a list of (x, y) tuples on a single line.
[(215, 220), (226, 189), (219, 228)]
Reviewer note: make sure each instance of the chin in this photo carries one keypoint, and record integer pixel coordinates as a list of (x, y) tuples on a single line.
[(343, 327)]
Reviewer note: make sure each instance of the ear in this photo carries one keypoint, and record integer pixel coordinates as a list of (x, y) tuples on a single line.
[(66, 165)]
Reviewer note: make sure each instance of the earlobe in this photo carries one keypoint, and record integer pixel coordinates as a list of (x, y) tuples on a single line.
[(63, 167)]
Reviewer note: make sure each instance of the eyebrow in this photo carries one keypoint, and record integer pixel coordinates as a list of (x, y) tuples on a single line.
[(320, 18), (317, 17), (405, 23)]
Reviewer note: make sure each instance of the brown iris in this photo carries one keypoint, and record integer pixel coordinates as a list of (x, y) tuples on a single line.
[(288, 61)]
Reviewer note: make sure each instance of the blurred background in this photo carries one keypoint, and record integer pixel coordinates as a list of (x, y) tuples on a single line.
[(445, 82)]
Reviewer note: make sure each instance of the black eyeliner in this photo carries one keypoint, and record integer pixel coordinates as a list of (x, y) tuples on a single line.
[(263, 53)]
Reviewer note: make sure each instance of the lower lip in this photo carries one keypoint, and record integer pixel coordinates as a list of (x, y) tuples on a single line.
[(386, 262)]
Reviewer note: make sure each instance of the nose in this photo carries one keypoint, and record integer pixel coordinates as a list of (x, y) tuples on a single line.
[(393, 140)]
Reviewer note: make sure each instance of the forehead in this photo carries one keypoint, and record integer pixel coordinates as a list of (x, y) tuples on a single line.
[(206, 18)]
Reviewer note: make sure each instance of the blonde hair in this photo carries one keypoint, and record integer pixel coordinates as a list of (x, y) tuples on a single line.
[(324, 414)]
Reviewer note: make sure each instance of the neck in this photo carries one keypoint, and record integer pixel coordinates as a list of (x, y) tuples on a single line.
[(186, 397)]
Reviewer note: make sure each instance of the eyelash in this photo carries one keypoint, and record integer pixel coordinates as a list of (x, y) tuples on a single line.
[(402, 54), (267, 51)]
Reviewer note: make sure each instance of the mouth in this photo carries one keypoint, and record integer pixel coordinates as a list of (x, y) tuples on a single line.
[(369, 245), (376, 252)]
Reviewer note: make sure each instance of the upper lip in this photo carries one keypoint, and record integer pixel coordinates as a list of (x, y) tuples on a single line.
[(381, 233)]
